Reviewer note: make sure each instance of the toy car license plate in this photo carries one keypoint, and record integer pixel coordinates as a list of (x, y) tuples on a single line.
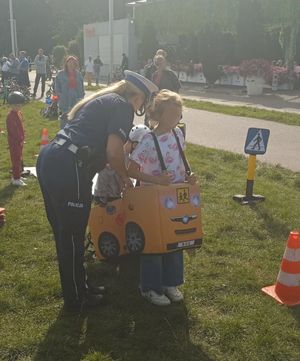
[(186, 244), (183, 195)]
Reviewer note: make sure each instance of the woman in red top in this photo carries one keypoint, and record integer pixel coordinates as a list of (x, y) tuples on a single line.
[(69, 86), (15, 136)]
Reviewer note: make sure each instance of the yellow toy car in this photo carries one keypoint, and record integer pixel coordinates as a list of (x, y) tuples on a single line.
[(149, 219)]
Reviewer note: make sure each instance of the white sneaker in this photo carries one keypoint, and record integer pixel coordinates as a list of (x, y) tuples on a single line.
[(155, 298), (18, 182), (173, 294)]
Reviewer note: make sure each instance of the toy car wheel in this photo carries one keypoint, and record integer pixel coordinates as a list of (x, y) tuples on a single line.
[(135, 239), (108, 245)]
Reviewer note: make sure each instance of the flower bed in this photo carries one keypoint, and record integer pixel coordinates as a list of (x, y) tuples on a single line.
[(236, 75)]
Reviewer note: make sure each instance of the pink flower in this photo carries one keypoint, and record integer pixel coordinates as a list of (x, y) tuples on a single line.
[(163, 139), (169, 158), (156, 172)]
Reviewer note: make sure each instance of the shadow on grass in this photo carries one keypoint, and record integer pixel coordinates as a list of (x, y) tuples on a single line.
[(295, 311), (128, 328), (275, 227), (7, 193)]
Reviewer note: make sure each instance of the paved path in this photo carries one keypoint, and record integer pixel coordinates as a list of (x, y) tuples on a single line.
[(227, 132), (284, 101)]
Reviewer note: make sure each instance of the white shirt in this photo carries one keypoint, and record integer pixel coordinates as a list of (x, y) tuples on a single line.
[(89, 66), (146, 156), (5, 66)]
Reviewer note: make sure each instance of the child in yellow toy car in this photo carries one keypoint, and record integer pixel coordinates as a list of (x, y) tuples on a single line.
[(159, 159)]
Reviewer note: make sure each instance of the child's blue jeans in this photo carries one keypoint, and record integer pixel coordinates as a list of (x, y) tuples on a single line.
[(157, 271)]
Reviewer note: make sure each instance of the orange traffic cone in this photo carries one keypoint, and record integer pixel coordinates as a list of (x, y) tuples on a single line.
[(44, 138), (287, 288)]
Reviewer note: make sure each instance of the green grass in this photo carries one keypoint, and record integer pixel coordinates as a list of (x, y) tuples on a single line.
[(242, 111), (225, 316)]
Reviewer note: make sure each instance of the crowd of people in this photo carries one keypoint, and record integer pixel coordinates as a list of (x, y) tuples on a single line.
[(18, 67)]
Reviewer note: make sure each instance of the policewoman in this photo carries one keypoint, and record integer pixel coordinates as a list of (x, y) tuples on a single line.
[(97, 129)]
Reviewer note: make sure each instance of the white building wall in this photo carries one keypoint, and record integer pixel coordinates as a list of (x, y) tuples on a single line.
[(97, 42)]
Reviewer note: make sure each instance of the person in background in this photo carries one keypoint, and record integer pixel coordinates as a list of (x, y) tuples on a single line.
[(165, 78), (5, 70), (124, 64), (23, 68), (89, 70), (14, 67), (48, 69), (40, 62), (68, 86), (150, 67), (97, 67), (15, 136)]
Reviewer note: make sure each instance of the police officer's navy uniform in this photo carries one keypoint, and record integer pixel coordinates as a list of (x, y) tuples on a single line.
[(65, 170)]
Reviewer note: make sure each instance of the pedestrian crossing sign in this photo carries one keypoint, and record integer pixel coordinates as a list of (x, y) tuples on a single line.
[(257, 141)]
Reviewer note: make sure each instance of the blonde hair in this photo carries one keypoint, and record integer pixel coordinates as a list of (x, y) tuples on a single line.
[(160, 102), (123, 88)]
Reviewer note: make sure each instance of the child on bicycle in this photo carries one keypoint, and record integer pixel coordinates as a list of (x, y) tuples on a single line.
[(160, 275)]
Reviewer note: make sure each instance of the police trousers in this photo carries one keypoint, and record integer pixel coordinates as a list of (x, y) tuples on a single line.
[(66, 188)]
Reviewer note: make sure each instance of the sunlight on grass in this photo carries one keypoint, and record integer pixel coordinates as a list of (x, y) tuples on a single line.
[(224, 317), (243, 111)]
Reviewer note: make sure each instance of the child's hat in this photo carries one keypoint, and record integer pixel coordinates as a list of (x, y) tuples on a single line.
[(16, 98), (144, 84)]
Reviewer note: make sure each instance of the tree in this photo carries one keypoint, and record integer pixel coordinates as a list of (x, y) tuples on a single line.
[(75, 47), (250, 30), (149, 43), (59, 52)]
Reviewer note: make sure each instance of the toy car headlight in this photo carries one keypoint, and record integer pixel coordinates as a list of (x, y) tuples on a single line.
[(196, 200), (169, 203)]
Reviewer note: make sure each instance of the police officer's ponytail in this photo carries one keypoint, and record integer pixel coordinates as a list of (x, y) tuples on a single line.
[(123, 88)]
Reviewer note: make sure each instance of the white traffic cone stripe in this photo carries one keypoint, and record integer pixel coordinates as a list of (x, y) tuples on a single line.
[(292, 254), (288, 279)]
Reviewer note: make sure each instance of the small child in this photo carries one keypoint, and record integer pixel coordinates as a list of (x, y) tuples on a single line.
[(160, 275), (108, 185), (15, 136)]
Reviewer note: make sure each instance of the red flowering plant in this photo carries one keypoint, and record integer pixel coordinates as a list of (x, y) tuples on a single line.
[(282, 74), (257, 67), (231, 69)]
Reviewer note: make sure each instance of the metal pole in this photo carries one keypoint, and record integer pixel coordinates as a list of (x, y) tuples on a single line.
[(12, 28), (16, 39), (111, 34)]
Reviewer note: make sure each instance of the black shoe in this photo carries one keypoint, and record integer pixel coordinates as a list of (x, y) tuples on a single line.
[(25, 173), (94, 300), (96, 290)]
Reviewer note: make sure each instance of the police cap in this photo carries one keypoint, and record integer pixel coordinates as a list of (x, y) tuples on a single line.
[(144, 84)]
